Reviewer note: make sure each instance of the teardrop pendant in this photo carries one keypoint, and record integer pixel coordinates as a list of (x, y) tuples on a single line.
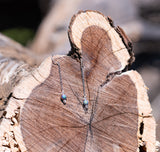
[(63, 97)]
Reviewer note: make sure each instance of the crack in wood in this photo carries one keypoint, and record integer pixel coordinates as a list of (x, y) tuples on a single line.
[(110, 76), (142, 144), (127, 42), (141, 127), (5, 103), (17, 98), (142, 148)]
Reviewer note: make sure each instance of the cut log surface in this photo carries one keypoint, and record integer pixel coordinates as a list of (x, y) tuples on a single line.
[(119, 115)]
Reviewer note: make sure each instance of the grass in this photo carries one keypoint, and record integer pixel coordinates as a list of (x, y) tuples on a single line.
[(21, 35)]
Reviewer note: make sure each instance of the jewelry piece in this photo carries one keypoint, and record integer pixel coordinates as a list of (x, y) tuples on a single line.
[(85, 101), (63, 97)]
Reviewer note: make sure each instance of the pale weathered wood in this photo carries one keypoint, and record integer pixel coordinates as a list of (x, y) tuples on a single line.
[(119, 114), (11, 71), (11, 49)]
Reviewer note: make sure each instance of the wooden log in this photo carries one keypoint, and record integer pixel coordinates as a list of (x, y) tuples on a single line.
[(48, 38), (119, 115), (11, 71), (11, 49)]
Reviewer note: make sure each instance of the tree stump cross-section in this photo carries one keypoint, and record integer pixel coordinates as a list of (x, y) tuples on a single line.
[(119, 116)]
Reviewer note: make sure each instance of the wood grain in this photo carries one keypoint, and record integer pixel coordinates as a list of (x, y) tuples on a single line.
[(119, 114)]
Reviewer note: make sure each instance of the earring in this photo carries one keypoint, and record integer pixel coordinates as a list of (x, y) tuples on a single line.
[(85, 101), (63, 97)]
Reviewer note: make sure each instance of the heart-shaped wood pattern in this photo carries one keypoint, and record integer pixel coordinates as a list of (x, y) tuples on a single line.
[(118, 104)]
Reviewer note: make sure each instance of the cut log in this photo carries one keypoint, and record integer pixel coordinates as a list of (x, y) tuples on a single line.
[(119, 114)]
